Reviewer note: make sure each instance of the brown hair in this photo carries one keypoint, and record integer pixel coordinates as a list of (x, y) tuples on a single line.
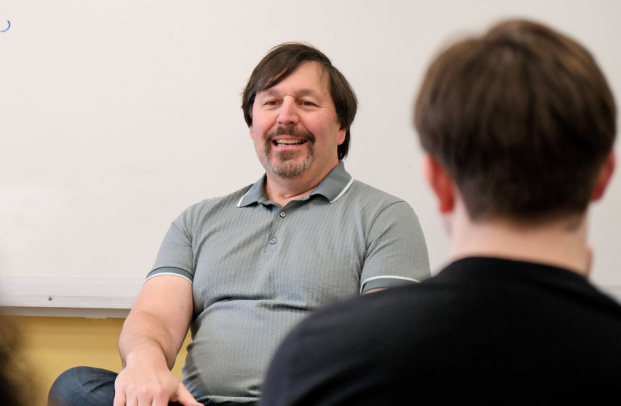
[(521, 118), (280, 62)]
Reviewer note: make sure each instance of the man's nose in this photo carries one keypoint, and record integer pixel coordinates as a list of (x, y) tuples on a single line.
[(288, 114)]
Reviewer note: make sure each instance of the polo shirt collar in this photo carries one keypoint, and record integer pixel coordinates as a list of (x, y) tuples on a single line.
[(332, 187)]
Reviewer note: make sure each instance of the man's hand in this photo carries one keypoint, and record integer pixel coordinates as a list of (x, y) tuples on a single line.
[(140, 386)]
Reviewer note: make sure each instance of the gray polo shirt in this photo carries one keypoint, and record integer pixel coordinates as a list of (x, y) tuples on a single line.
[(258, 268)]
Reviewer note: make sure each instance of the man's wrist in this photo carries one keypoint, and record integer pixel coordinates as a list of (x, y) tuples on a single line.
[(152, 356)]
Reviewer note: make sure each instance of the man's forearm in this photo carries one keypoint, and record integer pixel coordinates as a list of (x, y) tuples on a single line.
[(158, 323), (151, 338), (145, 339)]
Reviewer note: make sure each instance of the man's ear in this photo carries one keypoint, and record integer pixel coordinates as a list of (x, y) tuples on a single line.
[(341, 138), (603, 179), (441, 183), (342, 133), (251, 132)]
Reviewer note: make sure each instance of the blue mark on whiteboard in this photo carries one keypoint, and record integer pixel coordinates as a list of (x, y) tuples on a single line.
[(7, 27)]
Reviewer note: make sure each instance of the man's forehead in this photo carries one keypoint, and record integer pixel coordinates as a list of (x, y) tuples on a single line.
[(301, 92)]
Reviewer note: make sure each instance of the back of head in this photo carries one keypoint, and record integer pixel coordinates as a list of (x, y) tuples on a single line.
[(522, 119), (285, 58)]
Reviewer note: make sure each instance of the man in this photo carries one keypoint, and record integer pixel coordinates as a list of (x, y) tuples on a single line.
[(243, 269), (518, 126)]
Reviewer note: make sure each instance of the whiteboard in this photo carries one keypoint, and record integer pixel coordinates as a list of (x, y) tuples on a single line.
[(117, 115)]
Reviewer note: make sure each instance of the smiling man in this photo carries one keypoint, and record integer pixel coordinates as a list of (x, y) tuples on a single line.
[(296, 132), (243, 269)]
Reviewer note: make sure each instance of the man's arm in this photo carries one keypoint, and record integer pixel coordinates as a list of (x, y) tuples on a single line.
[(151, 338)]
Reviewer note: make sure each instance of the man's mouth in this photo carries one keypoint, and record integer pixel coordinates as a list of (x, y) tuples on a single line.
[(288, 137), (279, 143)]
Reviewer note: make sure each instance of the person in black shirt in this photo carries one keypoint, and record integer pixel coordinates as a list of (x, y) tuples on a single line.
[(518, 126)]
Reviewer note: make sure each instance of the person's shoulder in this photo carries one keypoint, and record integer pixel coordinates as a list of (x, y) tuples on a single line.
[(343, 347), (371, 202), (359, 188), (369, 196)]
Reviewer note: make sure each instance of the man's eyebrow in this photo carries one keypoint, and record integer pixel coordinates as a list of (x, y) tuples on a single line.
[(268, 92)]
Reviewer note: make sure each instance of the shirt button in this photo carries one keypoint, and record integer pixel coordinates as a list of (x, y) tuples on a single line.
[(273, 241), (282, 214)]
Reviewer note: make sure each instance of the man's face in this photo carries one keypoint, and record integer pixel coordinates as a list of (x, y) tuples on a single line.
[(294, 125)]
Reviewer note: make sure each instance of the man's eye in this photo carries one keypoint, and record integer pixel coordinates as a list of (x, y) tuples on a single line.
[(271, 103), (308, 103)]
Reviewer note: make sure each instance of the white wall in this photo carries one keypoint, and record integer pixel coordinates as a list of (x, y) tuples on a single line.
[(116, 115)]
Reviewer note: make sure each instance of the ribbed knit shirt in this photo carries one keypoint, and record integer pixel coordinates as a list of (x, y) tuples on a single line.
[(258, 268)]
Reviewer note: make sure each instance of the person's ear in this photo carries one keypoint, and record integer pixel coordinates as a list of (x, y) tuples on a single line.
[(251, 132), (341, 137), (441, 183), (603, 179)]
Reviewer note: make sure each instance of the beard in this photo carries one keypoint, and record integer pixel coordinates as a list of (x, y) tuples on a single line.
[(285, 165)]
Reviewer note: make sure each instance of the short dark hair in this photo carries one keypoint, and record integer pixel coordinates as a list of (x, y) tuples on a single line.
[(280, 62), (521, 118)]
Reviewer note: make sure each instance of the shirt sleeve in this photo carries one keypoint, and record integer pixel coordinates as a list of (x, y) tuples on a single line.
[(176, 256), (397, 252)]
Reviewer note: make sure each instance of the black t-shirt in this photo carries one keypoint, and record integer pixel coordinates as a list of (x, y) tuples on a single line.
[(483, 331)]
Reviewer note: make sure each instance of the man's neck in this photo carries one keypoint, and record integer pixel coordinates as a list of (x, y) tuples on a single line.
[(561, 243), (283, 190)]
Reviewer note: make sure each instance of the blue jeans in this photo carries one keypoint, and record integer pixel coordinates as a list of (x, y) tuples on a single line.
[(86, 386)]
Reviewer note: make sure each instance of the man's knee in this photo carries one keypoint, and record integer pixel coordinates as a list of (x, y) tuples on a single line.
[(84, 386)]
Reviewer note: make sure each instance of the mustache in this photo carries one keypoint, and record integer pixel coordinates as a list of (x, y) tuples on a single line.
[(292, 131)]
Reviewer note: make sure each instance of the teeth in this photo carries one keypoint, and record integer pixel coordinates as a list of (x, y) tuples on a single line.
[(289, 142)]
